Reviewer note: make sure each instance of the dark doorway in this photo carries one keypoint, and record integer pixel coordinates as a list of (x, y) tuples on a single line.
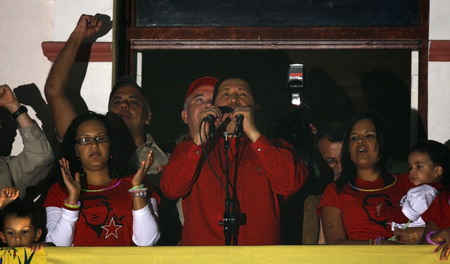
[(338, 83)]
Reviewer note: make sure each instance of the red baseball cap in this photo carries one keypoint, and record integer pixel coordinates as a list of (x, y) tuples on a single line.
[(205, 80)]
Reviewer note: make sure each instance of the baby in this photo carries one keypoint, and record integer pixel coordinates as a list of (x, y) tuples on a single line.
[(429, 172)]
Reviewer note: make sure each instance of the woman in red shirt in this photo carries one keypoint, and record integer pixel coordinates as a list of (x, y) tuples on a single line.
[(98, 204), (348, 206)]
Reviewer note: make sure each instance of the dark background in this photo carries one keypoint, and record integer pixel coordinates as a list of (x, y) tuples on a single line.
[(338, 83)]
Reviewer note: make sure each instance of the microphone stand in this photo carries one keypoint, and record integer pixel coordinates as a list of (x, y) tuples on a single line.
[(229, 221)]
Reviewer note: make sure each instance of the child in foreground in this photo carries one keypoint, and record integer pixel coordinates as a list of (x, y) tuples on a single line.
[(19, 222), (429, 173)]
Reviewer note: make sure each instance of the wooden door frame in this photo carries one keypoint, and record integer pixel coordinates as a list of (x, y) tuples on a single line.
[(283, 38)]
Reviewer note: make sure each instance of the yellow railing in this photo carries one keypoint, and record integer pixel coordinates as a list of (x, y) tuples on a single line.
[(227, 255)]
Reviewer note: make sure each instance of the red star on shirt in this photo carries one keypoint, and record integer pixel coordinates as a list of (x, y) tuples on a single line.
[(111, 229)]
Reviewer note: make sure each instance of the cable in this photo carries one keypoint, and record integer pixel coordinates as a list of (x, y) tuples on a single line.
[(202, 144)]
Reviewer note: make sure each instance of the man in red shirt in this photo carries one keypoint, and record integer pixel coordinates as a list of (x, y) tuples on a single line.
[(245, 172)]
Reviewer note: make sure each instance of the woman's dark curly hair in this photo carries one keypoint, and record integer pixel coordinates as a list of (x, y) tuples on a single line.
[(118, 163), (385, 149)]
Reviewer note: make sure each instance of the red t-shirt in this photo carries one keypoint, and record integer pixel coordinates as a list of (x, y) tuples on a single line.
[(439, 210), (105, 217), (261, 173), (359, 207)]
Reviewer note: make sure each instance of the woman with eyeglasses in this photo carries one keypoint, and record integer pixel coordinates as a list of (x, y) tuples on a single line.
[(98, 204), (348, 206)]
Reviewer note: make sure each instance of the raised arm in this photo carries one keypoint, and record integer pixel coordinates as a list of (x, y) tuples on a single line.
[(8, 195), (61, 106), (145, 227), (61, 221), (9, 101), (179, 174), (33, 163), (286, 172)]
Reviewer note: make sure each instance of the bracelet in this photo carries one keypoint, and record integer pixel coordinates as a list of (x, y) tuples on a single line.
[(71, 205), (139, 190), (136, 188), (142, 194), (22, 109), (429, 240)]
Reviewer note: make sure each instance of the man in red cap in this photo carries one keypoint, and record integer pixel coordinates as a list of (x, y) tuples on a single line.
[(198, 97), (230, 183)]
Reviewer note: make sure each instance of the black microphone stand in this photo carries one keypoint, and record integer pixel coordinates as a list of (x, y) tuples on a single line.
[(229, 222)]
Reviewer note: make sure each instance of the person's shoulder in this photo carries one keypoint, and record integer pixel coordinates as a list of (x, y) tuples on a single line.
[(445, 195), (57, 186), (403, 176), (423, 191), (438, 186), (330, 197), (281, 143), (128, 178), (56, 194), (422, 187), (186, 144), (331, 188), (403, 179)]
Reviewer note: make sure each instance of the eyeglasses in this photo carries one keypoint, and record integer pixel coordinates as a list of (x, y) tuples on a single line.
[(88, 141), (332, 162)]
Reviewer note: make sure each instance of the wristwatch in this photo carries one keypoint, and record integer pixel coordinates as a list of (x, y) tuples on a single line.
[(22, 109)]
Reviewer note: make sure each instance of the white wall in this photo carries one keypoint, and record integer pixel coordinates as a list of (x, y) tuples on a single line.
[(26, 24), (439, 20), (439, 75), (439, 101), (97, 83)]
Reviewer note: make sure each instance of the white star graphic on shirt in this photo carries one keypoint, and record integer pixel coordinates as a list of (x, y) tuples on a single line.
[(111, 229)]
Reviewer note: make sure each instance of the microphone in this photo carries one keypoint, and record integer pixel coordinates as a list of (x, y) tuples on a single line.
[(222, 109), (210, 119), (225, 109), (239, 119)]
